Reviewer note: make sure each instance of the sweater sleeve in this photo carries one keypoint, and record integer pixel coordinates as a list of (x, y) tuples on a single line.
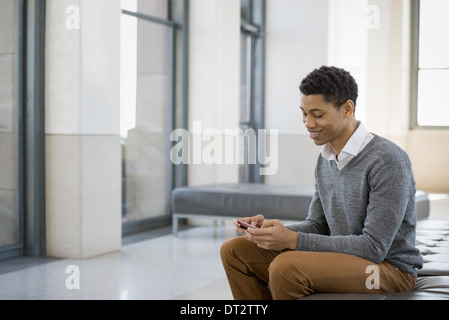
[(316, 221), (391, 188)]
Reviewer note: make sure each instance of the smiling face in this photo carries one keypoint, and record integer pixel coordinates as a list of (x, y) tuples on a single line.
[(326, 123)]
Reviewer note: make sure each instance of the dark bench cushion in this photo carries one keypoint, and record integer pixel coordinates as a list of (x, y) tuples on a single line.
[(241, 200), (273, 201), (422, 204), (432, 239), (427, 288)]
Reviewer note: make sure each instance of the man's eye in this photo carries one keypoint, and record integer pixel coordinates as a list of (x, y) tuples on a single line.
[(319, 117)]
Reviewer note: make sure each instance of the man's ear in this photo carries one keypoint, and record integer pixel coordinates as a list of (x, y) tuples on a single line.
[(348, 109)]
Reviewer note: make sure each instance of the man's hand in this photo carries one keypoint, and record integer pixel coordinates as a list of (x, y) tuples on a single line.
[(273, 236), (256, 221)]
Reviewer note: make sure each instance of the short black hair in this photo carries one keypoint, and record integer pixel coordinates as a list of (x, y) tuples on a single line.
[(335, 84)]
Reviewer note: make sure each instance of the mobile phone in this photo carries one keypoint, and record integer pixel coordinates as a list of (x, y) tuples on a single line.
[(246, 225)]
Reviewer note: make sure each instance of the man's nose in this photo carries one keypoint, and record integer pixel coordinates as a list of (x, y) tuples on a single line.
[(308, 122)]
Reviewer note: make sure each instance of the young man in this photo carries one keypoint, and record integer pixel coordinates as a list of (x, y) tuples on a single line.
[(359, 236)]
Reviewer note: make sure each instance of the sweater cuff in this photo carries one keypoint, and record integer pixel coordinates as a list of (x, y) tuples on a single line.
[(303, 242)]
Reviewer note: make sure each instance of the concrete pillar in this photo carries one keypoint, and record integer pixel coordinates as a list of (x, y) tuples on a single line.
[(83, 154)]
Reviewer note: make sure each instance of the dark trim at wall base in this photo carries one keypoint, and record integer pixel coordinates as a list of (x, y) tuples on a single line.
[(133, 227)]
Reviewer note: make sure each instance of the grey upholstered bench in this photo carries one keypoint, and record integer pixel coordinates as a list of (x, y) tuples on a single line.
[(427, 288), (229, 201), (432, 239)]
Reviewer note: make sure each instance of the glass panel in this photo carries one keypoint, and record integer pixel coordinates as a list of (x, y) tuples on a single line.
[(155, 8), (246, 10), (178, 11), (145, 109), (433, 106), (9, 214), (434, 25)]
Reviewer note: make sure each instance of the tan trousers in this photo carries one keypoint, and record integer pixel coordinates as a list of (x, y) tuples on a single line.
[(258, 274)]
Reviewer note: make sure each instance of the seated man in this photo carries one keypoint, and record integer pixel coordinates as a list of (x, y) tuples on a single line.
[(359, 236)]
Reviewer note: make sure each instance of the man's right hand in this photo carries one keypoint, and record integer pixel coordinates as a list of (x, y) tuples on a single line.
[(256, 221)]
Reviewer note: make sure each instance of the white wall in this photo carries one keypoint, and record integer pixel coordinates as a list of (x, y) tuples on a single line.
[(388, 97), (387, 66), (296, 44), (214, 78), (348, 43), (378, 56), (369, 38), (297, 41)]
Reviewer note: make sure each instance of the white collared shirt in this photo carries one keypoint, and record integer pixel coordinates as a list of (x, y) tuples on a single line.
[(353, 147)]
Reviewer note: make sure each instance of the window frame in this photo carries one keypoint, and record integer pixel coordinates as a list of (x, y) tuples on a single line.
[(253, 27), (177, 94), (34, 135), (415, 69)]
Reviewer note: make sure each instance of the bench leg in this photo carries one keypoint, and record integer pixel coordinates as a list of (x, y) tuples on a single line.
[(175, 225)]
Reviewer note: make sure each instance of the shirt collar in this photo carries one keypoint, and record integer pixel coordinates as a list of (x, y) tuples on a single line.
[(352, 147)]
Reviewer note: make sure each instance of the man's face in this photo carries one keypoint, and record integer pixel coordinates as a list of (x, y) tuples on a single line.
[(323, 121)]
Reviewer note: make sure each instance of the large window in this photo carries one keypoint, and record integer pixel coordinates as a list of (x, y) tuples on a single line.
[(430, 106), (10, 215), (252, 82), (22, 167), (153, 103)]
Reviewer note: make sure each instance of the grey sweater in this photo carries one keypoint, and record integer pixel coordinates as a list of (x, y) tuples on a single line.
[(367, 209)]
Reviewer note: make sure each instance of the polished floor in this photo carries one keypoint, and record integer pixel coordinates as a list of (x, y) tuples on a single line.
[(151, 266), (163, 267)]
